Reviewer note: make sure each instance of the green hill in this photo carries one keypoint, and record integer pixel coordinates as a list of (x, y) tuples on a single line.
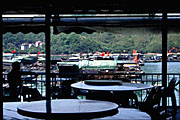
[(102, 42)]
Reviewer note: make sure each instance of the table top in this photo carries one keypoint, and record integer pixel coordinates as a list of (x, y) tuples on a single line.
[(68, 108), (126, 86), (10, 111), (103, 82)]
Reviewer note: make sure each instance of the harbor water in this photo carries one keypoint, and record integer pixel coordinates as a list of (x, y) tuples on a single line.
[(156, 67)]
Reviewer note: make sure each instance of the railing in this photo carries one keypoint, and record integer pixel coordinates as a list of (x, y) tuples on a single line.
[(38, 80)]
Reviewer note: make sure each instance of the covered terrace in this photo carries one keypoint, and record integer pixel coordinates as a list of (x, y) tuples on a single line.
[(105, 15)]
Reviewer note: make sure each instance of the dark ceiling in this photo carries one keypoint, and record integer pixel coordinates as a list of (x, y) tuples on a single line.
[(91, 6), (95, 7)]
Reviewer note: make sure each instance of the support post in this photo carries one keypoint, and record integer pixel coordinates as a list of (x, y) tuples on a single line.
[(164, 55), (48, 56), (1, 68)]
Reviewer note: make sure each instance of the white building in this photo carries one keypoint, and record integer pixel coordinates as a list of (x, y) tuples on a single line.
[(38, 43), (24, 46)]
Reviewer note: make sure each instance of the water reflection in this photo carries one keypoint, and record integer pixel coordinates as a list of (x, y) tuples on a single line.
[(172, 67)]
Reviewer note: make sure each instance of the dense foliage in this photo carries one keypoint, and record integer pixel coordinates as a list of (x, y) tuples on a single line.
[(86, 43)]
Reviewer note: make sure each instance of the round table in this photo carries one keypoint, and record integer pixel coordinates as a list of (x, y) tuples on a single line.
[(68, 109), (125, 86), (10, 111)]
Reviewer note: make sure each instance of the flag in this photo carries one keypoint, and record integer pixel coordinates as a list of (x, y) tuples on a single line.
[(135, 59), (13, 51), (103, 54), (107, 53), (134, 51)]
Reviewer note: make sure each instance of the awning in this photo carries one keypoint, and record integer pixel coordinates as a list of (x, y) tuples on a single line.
[(90, 24)]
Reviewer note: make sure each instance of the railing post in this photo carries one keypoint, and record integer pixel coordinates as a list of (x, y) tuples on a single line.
[(164, 55)]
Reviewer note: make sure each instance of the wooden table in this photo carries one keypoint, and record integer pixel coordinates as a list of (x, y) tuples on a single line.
[(68, 109)]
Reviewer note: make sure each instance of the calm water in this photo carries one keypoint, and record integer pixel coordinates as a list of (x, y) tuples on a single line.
[(172, 67)]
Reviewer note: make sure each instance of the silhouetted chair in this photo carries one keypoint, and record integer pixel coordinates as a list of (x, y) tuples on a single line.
[(160, 114), (31, 94), (169, 92), (70, 72), (123, 98), (66, 90), (154, 97)]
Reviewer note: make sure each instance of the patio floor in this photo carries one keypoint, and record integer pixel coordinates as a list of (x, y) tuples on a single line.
[(177, 116)]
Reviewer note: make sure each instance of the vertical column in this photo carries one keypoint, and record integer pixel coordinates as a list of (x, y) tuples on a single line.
[(48, 57), (164, 54), (47, 36), (1, 68)]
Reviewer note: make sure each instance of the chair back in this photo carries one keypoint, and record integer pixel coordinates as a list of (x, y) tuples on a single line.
[(171, 86), (154, 96)]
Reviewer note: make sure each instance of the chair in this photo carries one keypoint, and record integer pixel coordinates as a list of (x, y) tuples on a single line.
[(160, 114), (152, 98), (31, 94), (66, 90), (70, 72), (169, 92), (124, 97)]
